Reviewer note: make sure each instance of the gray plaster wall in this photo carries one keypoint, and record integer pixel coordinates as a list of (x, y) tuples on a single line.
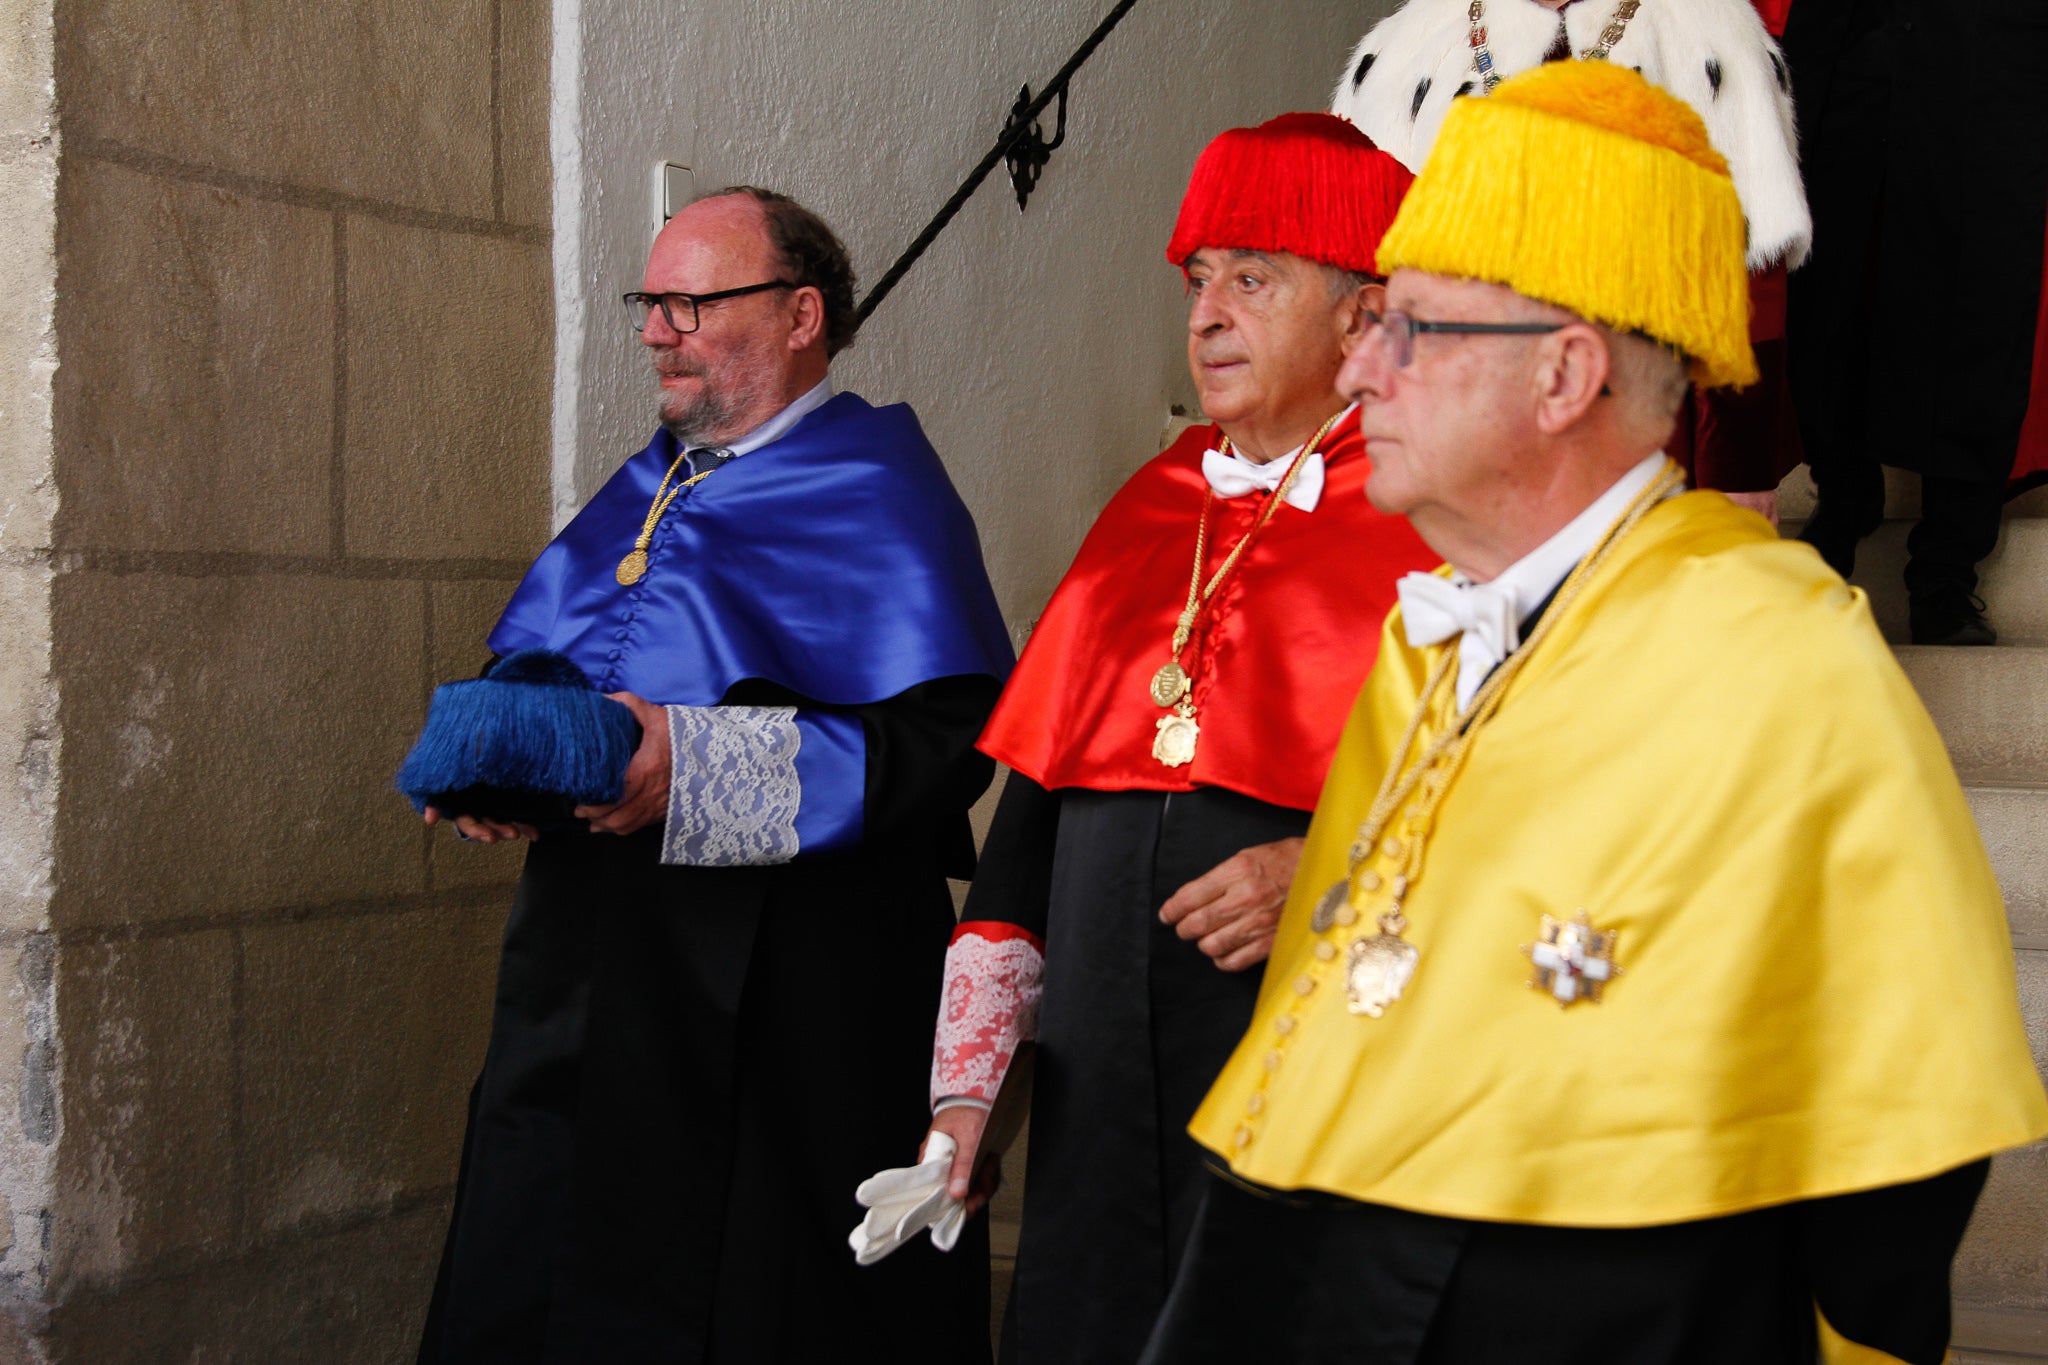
[(1042, 349)]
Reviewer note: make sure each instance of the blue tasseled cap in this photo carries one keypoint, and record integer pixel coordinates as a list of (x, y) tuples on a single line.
[(528, 741)]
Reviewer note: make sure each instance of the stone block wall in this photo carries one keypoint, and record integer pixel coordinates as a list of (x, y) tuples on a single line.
[(298, 442), (28, 1102)]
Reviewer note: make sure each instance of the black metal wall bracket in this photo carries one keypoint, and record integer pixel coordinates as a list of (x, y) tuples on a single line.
[(1022, 145), (1028, 150)]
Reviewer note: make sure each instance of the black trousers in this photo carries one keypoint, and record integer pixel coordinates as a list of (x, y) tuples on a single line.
[(1304, 1278), (1958, 527), (1916, 168)]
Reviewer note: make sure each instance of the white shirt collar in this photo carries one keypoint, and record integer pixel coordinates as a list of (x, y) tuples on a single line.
[(1281, 464), (1537, 574), (780, 425), (1489, 621)]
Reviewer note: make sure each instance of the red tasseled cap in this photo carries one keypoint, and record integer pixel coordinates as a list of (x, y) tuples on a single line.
[(1311, 185)]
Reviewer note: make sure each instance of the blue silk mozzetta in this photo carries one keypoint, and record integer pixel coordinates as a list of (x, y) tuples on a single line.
[(838, 562)]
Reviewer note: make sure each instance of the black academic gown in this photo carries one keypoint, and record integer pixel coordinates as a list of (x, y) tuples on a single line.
[(1923, 130), (691, 1069), (1304, 1278), (1134, 1025)]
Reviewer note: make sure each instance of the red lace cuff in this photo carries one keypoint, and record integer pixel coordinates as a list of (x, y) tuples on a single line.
[(995, 974)]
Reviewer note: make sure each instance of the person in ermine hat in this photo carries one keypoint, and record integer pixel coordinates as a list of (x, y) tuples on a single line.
[(1167, 732), (1550, 1067)]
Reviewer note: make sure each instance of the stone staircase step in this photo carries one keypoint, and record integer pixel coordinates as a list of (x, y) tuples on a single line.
[(2014, 823), (2001, 1273), (1992, 1337), (1991, 706), (1992, 1334)]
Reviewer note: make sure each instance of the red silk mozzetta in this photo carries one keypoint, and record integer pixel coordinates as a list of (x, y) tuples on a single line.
[(1278, 656)]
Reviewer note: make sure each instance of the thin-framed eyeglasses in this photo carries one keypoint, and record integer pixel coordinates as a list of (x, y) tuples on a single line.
[(680, 310), (1399, 331)]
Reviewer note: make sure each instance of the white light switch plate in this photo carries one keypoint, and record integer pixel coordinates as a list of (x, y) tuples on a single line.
[(674, 187)]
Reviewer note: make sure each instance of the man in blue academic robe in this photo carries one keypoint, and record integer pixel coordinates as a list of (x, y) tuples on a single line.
[(714, 1007)]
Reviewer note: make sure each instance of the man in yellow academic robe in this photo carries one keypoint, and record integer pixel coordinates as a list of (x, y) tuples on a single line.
[(1644, 995)]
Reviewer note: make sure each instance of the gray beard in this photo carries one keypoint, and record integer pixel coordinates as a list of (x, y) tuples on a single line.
[(711, 417)]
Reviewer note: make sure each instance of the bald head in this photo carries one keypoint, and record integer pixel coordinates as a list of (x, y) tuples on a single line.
[(747, 357), (723, 236)]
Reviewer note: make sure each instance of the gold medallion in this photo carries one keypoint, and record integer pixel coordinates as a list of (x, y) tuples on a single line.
[(1333, 901), (1377, 971), (632, 568), (1169, 684), (1175, 743), (1573, 960)]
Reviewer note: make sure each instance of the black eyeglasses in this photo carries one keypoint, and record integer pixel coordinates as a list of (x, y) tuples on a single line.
[(680, 310), (1400, 331)]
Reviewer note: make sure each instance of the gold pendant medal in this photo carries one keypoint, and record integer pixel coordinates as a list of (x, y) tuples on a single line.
[(633, 567), (1174, 745), (1379, 968), (1170, 683)]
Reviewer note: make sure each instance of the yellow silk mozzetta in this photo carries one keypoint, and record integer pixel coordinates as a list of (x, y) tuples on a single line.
[(1714, 757)]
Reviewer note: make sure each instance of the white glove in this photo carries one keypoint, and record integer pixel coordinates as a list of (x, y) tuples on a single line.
[(906, 1200)]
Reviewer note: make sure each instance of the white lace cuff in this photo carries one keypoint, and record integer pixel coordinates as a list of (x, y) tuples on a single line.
[(995, 974), (734, 792)]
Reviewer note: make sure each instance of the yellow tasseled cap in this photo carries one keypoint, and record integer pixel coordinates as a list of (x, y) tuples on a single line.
[(1581, 184)]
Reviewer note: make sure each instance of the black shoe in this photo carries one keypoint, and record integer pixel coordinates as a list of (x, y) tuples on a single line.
[(1950, 616)]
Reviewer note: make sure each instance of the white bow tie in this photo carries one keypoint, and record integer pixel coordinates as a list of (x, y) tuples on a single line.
[(1482, 615), (1233, 476)]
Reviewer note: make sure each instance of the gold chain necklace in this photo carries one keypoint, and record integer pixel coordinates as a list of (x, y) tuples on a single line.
[(633, 567), (1172, 686), (1482, 55), (1378, 968)]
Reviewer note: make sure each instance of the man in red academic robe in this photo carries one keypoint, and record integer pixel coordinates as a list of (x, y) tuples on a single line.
[(1168, 731)]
